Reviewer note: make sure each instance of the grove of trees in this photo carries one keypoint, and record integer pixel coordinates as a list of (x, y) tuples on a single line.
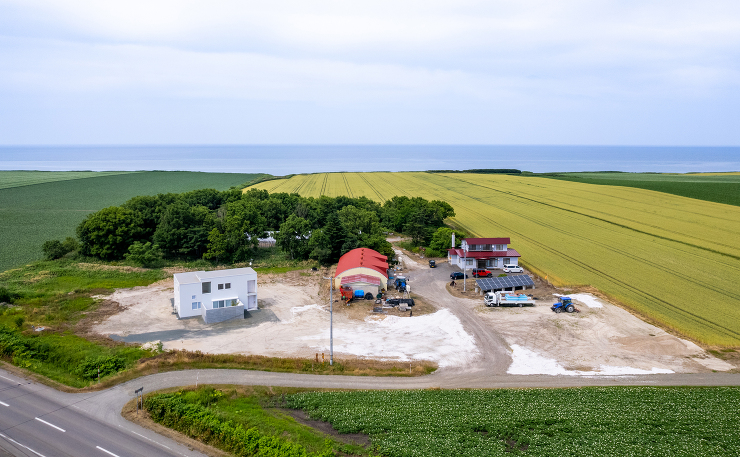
[(225, 226)]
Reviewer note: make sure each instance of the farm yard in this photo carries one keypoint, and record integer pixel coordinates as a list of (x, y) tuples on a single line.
[(39, 206), (672, 259)]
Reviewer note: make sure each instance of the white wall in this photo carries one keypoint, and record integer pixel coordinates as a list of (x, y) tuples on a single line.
[(243, 287)]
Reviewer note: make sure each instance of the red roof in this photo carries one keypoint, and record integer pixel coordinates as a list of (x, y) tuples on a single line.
[(363, 257), (351, 279), (488, 240), (485, 254)]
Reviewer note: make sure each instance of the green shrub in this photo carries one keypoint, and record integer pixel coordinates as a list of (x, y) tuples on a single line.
[(106, 364), (5, 295), (19, 322), (200, 422), (144, 254)]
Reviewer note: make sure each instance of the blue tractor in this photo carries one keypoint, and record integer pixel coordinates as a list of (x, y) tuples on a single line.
[(563, 304)]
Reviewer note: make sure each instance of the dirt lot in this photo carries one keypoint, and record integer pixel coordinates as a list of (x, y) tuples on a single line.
[(293, 320), (447, 327)]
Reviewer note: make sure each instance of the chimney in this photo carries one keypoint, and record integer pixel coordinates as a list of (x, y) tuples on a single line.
[(453, 240)]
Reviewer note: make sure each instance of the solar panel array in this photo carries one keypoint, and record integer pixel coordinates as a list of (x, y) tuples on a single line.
[(504, 283)]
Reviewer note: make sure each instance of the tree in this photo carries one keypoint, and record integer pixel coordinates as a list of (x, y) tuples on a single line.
[(243, 225), (356, 221), (146, 255), (319, 247), (53, 249), (217, 245), (293, 237), (183, 230), (108, 233), (442, 239)]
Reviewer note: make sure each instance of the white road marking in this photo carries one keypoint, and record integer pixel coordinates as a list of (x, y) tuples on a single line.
[(21, 445), (146, 438), (1, 376), (107, 451), (50, 424), (3, 403)]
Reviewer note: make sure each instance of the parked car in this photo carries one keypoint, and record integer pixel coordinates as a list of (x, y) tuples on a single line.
[(481, 273), (432, 264), (513, 269), (457, 275)]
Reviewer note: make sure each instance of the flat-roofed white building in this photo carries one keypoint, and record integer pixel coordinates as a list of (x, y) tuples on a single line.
[(216, 295)]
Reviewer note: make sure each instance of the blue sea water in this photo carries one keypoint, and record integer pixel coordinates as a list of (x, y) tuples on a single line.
[(281, 160)]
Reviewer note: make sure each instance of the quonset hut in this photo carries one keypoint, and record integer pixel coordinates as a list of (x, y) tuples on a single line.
[(362, 269)]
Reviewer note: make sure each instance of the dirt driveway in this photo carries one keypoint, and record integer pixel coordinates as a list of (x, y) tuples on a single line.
[(603, 339)]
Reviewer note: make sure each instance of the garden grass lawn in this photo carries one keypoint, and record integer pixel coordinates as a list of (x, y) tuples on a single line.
[(603, 421), (672, 259), (32, 214)]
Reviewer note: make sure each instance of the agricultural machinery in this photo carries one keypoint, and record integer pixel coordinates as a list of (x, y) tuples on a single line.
[(349, 294), (564, 304), (501, 299)]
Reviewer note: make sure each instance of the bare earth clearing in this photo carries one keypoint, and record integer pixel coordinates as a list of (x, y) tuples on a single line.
[(457, 332)]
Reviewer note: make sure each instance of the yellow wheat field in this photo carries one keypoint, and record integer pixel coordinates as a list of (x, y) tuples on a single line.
[(674, 259)]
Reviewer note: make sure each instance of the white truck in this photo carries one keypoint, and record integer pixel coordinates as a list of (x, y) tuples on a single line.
[(504, 299)]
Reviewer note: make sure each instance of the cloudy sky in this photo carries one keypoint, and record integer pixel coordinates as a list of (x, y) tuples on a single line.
[(624, 72)]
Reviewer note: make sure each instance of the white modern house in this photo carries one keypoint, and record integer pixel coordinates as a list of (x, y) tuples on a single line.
[(216, 295), (483, 253)]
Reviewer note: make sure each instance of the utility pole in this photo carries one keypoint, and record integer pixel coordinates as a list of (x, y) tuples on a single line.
[(465, 264), (331, 320)]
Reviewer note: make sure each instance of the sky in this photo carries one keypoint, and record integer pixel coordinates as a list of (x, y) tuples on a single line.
[(569, 72)]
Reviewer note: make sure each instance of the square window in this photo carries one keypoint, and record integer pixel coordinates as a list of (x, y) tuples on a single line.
[(196, 305), (193, 297), (206, 287), (220, 287), (228, 285)]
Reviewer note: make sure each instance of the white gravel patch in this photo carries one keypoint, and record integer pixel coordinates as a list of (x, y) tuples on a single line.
[(438, 337), (526, 361), (587, 299)]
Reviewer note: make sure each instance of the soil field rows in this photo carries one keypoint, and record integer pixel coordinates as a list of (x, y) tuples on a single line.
[(671, 258)]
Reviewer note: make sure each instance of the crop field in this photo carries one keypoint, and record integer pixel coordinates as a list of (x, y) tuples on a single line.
[(32, 214), (27, 178), (607, 421), (673, 259), (714, 187)]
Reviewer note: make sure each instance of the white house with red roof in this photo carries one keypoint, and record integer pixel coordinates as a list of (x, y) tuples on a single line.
[(483, 253), (362, 269)]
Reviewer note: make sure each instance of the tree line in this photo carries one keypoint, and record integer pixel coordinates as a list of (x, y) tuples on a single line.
[(225, 226)]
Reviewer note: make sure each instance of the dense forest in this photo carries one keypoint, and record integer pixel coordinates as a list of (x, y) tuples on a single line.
[(225, 226)]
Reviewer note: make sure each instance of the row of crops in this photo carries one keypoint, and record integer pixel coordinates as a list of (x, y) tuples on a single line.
[(26, 178), (671, 258), (614, 421)]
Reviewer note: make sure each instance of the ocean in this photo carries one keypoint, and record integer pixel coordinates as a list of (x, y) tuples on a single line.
[(288, 159)]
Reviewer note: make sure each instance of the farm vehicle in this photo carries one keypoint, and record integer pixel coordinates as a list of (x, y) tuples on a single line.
[(564, 304), (400, 283), (501, 299), (349, 294)]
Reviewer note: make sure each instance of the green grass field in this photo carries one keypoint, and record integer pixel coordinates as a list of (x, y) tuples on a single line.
[(673, 259), (33, 213), (719, 187), (607, 421)]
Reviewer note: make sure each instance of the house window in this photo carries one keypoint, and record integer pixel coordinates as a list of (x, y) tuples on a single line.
[(193, 297), (495, 262), (470, 261), (499, 247), (507, 261), (206, 287), (220, 287), (196, 305), (228, 285), (218, 304)]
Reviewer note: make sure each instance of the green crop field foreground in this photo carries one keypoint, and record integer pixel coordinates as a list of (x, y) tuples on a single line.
[(671, 258), (611, 421), (39, 206)]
